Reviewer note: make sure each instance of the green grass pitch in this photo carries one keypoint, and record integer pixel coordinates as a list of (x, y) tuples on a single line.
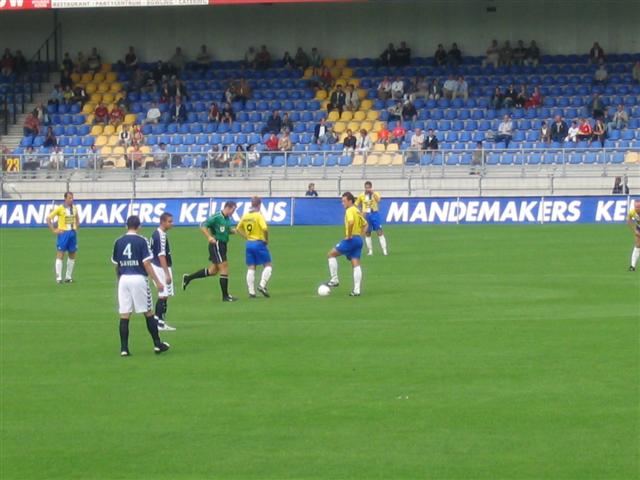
[(493, 352)]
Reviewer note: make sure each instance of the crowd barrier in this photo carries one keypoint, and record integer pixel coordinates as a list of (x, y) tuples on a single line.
[(329, 211)]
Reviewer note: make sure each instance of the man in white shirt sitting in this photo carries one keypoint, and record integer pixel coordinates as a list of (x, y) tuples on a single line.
[(153, 114), (56, 160), (397, 89), (450, 87), (462, 88), (505, 131)]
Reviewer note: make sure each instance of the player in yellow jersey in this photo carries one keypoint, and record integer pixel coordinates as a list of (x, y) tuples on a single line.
[(65, 229), (253, 228), (633, 220), (355, 226), (369, 203)]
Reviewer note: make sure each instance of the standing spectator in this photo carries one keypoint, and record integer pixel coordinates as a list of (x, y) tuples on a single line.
[(431, 141), (619, 188), (263, 58), (178, 61), (440, 56), (165, 93), (178, 112), (545, 133), (384, 89), (287, 124), (497, 99), (203, 59), (535, 100), (409, 112), (477, 160), (7, 63), (50, 140), (325, 79), (506, 54), (620, 119), (19, 63), (272, 143), (585, 132), (572, 132), (316, 59), (131, 59), (559, 130), (65, 79), (349, 143), (434, 90), (311, 191), (596, 54), (519, 53), (449, 88), (337, 100), (94, 62), (462, 89), (398, 133), (454, 57), (388, 57), (505, 131), (116, 116), (351, 99), (250, 58), (301, 60), (600, 132), (635, 72), (596, 106), (601, 75), (284, 143), (364, 143), (274, 123), (320, 131), (532, 57), (81, 65), (153, 114), (101, 114), (403, 55), (493, 55), (41, 113), (397, 89)]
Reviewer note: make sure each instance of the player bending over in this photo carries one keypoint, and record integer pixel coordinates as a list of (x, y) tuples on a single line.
[(369, 203), (66, 232), (633, 220), (253, 228), (217, 229), (161, 263), (132, 259), (351, 246)]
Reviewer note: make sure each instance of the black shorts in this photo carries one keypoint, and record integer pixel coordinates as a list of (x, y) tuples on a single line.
[(218, 253)]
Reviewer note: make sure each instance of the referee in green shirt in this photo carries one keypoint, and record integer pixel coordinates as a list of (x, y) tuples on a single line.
[(217, 229)]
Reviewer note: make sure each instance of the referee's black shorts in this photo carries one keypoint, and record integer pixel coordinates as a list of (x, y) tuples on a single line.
[(218, 252)]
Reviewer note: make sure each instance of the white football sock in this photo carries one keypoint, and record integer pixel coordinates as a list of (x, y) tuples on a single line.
[(369, 244), (333, 269), (357, 279), (634, 256), (251, 280), (266, 275), (58, 269), (70, 264), (383, 244)]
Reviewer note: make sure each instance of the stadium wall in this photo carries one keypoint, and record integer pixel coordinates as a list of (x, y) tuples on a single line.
[(339, 30)]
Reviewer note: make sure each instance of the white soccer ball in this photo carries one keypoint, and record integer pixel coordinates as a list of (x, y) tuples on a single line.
[(324, 290)]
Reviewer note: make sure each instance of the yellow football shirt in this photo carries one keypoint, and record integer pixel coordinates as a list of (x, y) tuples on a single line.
[(254, 224), (67, 217), (352, 215), (368, 202), (634, 217)]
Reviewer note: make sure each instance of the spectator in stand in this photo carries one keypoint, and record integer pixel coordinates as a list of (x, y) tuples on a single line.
[(572, 132), (388, 57), (337, 100), (301, 60), (364, 144), (214, 156), (493, 55), (81, 65), (596, 54), (56, 159), (559, 130), (435, 92), (250, 58), (178, 112), (384, 89), (56, 97), (351, 99), (316, 59), (601, 75), (123, 101), (214, 114), (30, 160), (160, 73), (288, 61), (325, 79), (138, 81), (263, 58), (124, 138), (532, 56), (67, 94), (7, 63), (519, 53), (395, 112), (454, 57), (320, 131), (116, 116), (403, 55), (497, 99), (409, 112), (165, 93), (619, 188), (431, 141), (440, 56), (397, 89), (203, 59), (287, 124), (635, 72), (600, 132), (153, 114), (137, 137), (384, 135), (65, 79), (228, 115), (545, 133), (50, 140), (535, 100), (230, 93), (131, 59), (449, 88), (94, 62), (421, 88), (274, 123), (510, 96), (272, 143), (243, 91), (41, 113), (311, 191), (620, 119), (417, 142), (398, 133), (101, 114), (505, 131), (253, 156), (80, 95), (240, 158), (284, 143), (178, 61), (506, 54), (160, 157), (477, 160), (67, 63), (134, 158), (19, 63), (349, 143), (462, 89), (179, 90), (521, 98), (596, 106), (225, 158), (585, 132)]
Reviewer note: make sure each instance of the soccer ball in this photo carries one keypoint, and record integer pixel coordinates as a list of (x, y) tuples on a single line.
[(324, 290)]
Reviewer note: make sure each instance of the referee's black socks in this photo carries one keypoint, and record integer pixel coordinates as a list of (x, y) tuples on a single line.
[(199, 274), (161, 308), (224, 285), (124, 335), (152, 326)]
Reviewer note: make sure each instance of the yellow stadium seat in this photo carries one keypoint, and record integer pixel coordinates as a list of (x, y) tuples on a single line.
[(91, 88), (353, 81), (373, 115), (101, 141), (107, 98), (346, 116), (115, 87), (335, 72), (105, 67), (118, 130), (321, 95), (113, 140), (368, 126), (341, 81), (333, 116), (75, 77), (95, 98), (359, 116), (362, 94), (109, 130), (377, 126), (130, 118), (96, 130), (358, 160), (632, 157), (353, 126), (88, 108), (111, 77), (118, 150), (340, 62), (323, 104), (392, 147), (373, 158), (366, 105), (398, 159), (385, 160), (342, 136), (86, 78), (379, 147), (105, 151), (146, 149), (339, 127), (374, 136), (103, 87), (120, 162), (347, 73), (328, 62), (98, 77), (89, 120), (308, 73)]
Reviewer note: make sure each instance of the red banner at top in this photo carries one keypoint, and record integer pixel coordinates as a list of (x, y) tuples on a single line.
[(24, 4)]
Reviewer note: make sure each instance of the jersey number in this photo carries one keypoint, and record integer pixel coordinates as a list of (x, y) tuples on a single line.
[(249, 227), (127, 251)]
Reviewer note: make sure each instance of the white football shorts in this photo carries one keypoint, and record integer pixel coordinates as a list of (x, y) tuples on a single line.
[(167, 290), (134, 294)]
